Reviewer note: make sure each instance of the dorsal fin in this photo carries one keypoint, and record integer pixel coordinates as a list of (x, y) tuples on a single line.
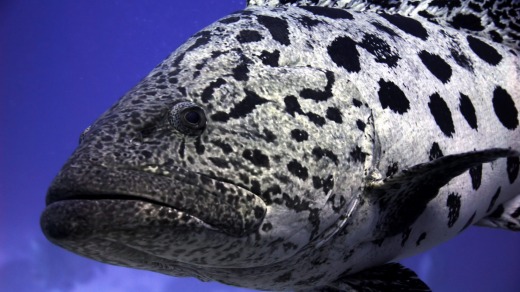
[(498, 21)]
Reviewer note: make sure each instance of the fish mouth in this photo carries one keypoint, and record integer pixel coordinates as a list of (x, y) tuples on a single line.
[(87, 201)]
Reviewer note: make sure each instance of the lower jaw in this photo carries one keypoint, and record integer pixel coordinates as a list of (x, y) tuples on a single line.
[(79, 220)]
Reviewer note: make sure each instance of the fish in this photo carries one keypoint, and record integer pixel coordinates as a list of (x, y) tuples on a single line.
[(304, 145)]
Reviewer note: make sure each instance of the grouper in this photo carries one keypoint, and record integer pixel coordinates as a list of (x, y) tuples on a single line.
[(304, 145)]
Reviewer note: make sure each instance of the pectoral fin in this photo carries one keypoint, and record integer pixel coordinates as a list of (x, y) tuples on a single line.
[(392, 277), (402, 198)]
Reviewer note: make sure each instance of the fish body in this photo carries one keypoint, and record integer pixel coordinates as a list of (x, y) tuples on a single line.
[(300, 147)]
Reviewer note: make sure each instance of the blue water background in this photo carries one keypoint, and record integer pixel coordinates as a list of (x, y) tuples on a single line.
[(62, 64)]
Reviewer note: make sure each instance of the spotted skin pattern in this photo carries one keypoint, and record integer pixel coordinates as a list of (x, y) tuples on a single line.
[(299, 148)]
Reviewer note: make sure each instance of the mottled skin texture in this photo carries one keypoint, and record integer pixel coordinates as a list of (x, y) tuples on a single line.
[(289, 172), (497, 20)]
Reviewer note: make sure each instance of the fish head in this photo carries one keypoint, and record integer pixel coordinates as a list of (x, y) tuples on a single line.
[(230, 153)]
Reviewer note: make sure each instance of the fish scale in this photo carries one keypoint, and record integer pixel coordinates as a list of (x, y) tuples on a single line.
[(295, 146)]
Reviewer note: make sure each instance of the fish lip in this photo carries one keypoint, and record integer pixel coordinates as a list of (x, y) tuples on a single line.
[(185, 193), (76, 219)]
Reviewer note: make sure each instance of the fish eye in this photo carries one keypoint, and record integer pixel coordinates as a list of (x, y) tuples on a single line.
[(188, 118)]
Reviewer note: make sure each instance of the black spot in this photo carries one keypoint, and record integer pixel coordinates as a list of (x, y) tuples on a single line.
[(297, 169), (450, 4), (309, 22), (442, 114), (435, 151), (317, 95), (292, 106), (182, 147), (219, 162), (516, 213), (255, 187), (405, 236), (267, 226), (278, 28), (270, 194), (476, 176), (182, 90), (229, 20), (467, 21), (494, 200), (426, 15), (344, 53), (391, 96), (421, 238), (469, 222), (220, 117), (295, 203), (495, 36), (361, 125), (461, 59), (337, 202), (270, 59), (437, 66), (269, 136), (407, 24), (498, 212), (392, 169), (199, 147), (226, 148), (334, 114), (453, 204), (316, 119), (356, 102), (216, 54), (249, 36), (243, 12), (329, 12), (207, 93), (299, 135), (505, 108), (241, 109), (384, 29), (289, 246), (203, 38), (316, 182), (147, 154), (256, 157), (259, 212), (240, 72), (513, 164), (358, 155), (468, 111), (328, 184), (319, 153), (484, 51), (380, 49)]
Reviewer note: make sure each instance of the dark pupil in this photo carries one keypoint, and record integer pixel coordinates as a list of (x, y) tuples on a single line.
[(192, 117)]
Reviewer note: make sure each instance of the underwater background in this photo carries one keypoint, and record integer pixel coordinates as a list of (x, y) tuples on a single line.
[(62, 64)]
